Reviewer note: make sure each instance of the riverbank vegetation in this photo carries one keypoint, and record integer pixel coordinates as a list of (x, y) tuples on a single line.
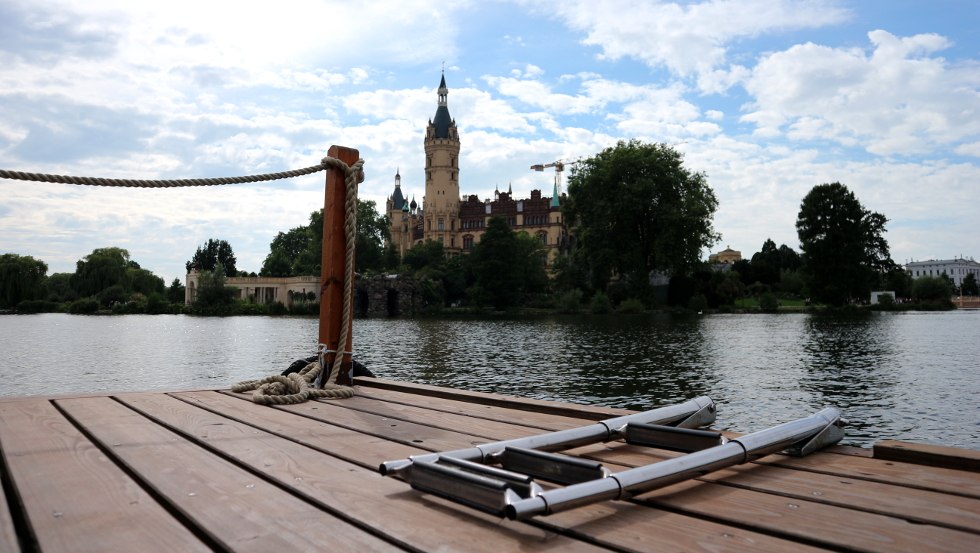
[(637, 219)]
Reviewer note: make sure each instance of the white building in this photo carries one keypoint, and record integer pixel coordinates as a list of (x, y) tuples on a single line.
[(285, 290), (956, 269)]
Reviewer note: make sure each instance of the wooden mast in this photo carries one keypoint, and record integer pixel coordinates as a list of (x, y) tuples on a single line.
[(332, 267)]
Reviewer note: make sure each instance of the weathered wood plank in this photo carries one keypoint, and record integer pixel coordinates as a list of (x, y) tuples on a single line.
[(950, 481), (926, 454), (589, 412), (342, 487), (236, 508), (543, 421), (630, 529), (8, 536), (957, 512), (75, 498)]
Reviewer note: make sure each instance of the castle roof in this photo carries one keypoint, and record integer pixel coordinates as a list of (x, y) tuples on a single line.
[(442, 121)]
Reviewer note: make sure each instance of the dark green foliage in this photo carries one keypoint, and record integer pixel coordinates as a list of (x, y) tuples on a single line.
[(600, 304), (570, 301), (144, 282), (843, 244), (931, 289), (427, 254), (212, 291), (969, 285), (498, 276), (112, 295), (766, 264), (634, 209), (176, 292), (21, 278), (85, 306), (698, 303), (101, 269), (38, 306), (299, 252), (59, 288), (768, 303), (211, 255), (372, 232), (631, 306)]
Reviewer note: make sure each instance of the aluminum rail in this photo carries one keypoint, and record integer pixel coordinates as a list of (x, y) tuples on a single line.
[(693, 413), (806, 435)]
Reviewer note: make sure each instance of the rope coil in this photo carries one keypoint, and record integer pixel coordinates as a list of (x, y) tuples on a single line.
[(304, 385)]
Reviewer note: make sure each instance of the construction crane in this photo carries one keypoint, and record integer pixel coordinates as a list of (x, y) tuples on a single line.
[(559, 167)]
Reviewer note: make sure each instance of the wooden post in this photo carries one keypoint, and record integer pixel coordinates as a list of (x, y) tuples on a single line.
[(332, 266)]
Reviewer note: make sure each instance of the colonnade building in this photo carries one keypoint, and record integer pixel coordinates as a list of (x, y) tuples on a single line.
[(458, 222)]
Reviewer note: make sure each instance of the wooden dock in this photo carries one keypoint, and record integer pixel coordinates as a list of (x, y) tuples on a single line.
[(211, 471)]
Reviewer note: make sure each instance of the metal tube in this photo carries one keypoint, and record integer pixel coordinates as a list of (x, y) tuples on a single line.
[(628, 483), (602, 431)]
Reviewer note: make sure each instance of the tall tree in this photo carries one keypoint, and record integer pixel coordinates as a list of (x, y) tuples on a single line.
[(212, 254), (843, 244), (634, 208), (21, 278), (298, 252), (969, 285), (372, 231), (495, 263), (765, 264), (101, 269)]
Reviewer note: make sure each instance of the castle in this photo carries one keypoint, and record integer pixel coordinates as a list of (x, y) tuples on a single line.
[(459, 222)]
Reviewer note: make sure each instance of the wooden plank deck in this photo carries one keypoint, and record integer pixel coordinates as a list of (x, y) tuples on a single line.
[(211, 471)]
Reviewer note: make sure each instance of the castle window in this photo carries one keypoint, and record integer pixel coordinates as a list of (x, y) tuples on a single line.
[(441, 224), (468, 242), (543, 237)]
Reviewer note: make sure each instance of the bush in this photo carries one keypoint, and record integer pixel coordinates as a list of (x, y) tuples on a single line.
[(86, 306), (570, 301), (698, 303), (631, 306), (38, 306), (768, 303), (600, 304)]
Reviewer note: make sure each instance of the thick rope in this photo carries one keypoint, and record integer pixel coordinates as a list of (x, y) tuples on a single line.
[(98, 181), (298, 387)]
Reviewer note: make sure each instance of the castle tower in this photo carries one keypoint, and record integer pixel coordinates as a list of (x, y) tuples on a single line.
[(441, 202), (397, 208)]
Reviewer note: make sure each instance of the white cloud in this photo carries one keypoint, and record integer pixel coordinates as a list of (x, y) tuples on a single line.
[(894, 100), (687, 38)]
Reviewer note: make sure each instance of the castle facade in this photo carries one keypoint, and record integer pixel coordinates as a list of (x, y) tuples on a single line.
[(458, 222)]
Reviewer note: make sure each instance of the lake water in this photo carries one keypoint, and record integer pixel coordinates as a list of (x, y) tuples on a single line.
[(911, 376)]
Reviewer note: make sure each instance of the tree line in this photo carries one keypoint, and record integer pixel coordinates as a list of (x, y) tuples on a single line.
[(638, 221)]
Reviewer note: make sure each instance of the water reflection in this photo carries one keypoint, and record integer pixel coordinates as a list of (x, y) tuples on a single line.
[(850, 363), (905, 375)]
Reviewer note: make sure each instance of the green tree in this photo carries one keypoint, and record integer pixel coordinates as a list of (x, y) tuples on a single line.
[(843, 244), (372, 232), (634, 209), (144, 282), (59, 288), (176, 291), (101, 269), (969, 285), (766, 263), (212, 254), (934, 288), (21, 278), (498, 277), (427, 254), (212, 291)]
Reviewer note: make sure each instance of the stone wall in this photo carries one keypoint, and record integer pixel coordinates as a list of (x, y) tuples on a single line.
[(387, 296)]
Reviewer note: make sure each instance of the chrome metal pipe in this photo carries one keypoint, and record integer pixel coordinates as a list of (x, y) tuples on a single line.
[(628, 483), (602, 431)]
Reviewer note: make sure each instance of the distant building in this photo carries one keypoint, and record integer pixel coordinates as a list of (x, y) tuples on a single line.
[(456, 221), (285, 290), (725, 257), (956, 269)]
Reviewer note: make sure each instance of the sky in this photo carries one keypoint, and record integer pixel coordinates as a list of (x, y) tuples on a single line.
[(767, 98)]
